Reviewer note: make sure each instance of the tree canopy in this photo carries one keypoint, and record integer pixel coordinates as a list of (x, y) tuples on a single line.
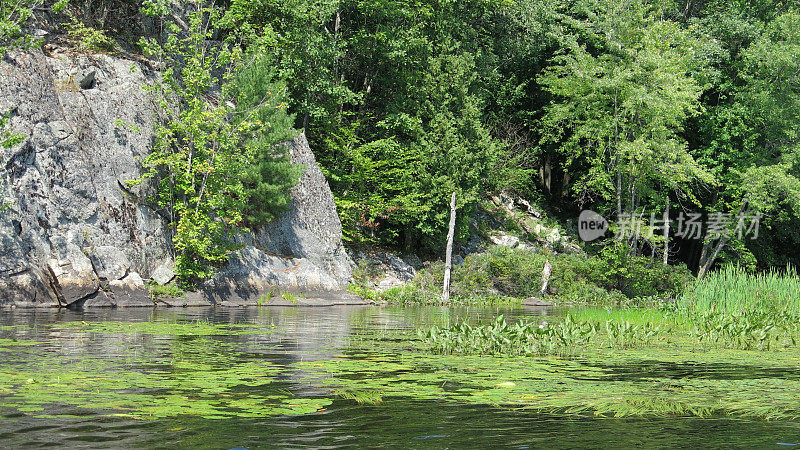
[(622, 106)]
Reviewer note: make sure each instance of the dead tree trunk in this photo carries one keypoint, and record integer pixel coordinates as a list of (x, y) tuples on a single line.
[(546, 272), (448, 259), (710, 251), (666, 234)]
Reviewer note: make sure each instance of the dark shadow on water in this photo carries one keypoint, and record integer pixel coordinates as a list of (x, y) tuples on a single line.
[(407, 424), (652, 369)]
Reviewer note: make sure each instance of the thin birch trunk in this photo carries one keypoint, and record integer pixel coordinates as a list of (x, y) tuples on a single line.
[(448, 259), (666, 234)]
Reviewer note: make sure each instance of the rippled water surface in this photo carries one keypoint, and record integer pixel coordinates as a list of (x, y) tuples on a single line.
[(246, 386)]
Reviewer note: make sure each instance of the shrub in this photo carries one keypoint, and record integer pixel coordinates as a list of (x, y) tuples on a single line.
[(167, 291), (89, 38), (639, 276), (575, 278), (502, 275)]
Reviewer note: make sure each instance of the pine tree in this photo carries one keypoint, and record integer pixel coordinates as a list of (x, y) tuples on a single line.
[(269, 175)]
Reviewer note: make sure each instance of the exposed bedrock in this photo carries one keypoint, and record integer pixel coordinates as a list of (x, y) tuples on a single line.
[(73, 233)]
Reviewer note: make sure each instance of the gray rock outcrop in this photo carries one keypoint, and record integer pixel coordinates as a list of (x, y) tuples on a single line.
[(71, 227), (311, 229), (74, 233), (535, 301), (383, 270)]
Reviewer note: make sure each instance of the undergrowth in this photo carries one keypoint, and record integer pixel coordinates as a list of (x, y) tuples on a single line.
[(165, 291), (505, 276)]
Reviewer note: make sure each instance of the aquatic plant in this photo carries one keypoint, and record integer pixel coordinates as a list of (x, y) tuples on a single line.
[(501, 338), (652, 378), (168, 328), (184, 375), (634, 315), (361, 397), (605, 362), (645, 382), (11, 343), (618, 329), (624, 335), (745, 330)]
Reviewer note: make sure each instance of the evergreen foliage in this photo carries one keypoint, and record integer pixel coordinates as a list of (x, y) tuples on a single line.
[(269, 174)]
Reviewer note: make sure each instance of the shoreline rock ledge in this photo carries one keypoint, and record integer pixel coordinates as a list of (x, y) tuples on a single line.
[(72, 234)]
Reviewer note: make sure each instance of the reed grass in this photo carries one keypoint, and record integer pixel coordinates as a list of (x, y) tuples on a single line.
[(732, 289)]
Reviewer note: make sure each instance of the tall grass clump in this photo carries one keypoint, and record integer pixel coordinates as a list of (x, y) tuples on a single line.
[(667, 316), (733, 289)]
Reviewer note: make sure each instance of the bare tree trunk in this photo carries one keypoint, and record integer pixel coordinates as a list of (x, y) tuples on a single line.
[(547, 174), (619, 195), (546, 272), (666, 234), (448, 259), (616, 161), (709, 255), (710, 251)]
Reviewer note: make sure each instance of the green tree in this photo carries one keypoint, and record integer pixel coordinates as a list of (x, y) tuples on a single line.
[(268, 174), (396, 190), (209, 152), (309, 48), (375, 184), (622, 92), (456, 149), (755, 147)]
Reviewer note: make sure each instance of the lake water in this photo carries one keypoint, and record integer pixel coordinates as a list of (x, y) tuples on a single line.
[(100, 379)]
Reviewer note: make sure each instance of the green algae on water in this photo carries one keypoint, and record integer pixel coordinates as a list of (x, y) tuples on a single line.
[(15, 343), (166, 328), (194, 376), (660, 379), (155, 370)]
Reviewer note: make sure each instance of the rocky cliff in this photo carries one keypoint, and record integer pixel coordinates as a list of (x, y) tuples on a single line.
[(72, 233)]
